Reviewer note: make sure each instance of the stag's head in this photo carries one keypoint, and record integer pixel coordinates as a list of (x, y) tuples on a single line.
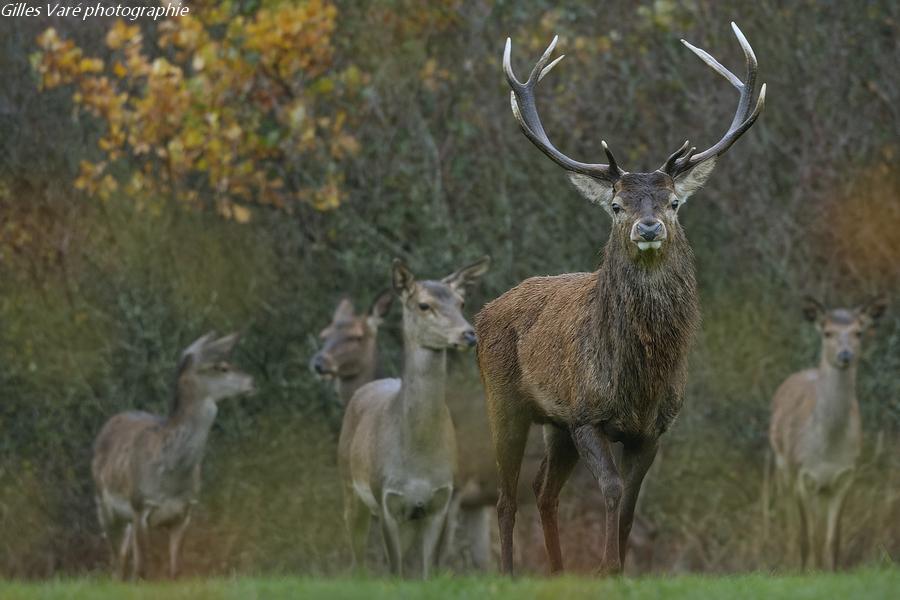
[(433, 310), (842, 329), (206, 372), (643, 206), (348, 343)]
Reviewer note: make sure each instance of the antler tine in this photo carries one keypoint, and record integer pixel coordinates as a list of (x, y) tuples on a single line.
[(524, 109), (680, 161)]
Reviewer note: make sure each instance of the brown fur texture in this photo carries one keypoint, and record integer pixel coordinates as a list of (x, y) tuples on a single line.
[(599, 357)]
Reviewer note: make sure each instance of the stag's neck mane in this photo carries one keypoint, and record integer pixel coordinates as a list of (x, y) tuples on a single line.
[(644, 315)]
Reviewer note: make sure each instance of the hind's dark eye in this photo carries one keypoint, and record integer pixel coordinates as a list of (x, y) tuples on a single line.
[(423, 306), (674, 204), (616, 207)]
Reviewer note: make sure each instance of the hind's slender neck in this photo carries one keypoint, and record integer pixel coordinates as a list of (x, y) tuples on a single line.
[(188, 426), (347, 386), (423, 392), (836, 396)]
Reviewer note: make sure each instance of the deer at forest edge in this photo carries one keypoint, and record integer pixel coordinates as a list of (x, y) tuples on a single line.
[(600, 358), (815, 431), (397, 447), (348, 356), (349, 353), (146, 468)]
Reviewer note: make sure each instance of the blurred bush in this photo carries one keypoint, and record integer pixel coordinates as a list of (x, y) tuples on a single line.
[(243, 168)]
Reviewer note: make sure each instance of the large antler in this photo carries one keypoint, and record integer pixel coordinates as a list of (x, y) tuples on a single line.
[(523, 106), (685, 158)]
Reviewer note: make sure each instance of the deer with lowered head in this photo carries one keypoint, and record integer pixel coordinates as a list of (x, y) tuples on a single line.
[(397, 447), (815, 430), (600, 358), (146, 468)]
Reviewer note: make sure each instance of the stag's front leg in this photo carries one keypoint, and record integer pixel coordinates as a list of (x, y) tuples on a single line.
[(636, 460), (595, 448)]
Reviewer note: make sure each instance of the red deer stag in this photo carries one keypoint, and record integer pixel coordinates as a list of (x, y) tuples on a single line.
[(397, 448), (815, 431), (147, 468), (600, 358)]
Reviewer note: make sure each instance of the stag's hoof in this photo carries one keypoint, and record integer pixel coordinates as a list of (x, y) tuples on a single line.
[(609, 570)]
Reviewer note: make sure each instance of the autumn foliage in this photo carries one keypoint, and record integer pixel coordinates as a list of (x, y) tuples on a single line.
[(234, 111)]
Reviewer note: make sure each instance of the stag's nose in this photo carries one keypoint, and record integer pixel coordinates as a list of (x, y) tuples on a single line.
[(469, 337), (649, 229), (845, 356)]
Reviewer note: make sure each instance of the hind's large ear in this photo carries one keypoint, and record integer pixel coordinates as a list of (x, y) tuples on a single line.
[(873, 310), (813, 310), (460, 278), (220, 348), (196, 347), (379, 309), (402, 279), (344, 311), (598, 191)]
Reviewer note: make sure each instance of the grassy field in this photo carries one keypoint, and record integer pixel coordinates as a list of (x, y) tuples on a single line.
[(863, 584)]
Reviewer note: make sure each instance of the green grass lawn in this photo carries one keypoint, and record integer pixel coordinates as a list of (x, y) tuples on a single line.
[(858, 585)]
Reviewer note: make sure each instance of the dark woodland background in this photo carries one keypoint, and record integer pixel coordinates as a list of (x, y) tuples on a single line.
[(100, 294)]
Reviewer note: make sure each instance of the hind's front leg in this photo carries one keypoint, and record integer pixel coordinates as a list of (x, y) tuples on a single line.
[(391, 519), (436, 526)]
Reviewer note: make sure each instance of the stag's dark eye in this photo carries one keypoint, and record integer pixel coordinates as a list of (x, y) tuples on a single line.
[(616, 208), (423, 306)]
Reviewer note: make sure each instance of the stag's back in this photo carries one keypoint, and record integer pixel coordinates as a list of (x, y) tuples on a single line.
[(529, 341)]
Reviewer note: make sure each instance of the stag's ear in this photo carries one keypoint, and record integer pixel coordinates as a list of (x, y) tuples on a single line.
[(459, 279), (873, 310), (693, 179), (380, 308), (402, 279), (598, 191), (344, 311), (813, 310)]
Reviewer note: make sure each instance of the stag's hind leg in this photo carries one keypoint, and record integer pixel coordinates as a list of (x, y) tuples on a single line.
[(560, 457), (509, 431)]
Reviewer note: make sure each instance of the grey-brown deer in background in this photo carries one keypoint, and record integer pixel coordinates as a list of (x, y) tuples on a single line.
[(348, 357), (349, 352), (146, 468), (397, 448), (600, 358), (815, 430)]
